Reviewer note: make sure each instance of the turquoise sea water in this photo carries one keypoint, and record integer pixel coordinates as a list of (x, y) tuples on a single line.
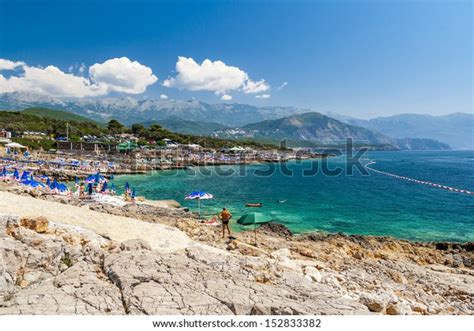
[(353, 204)]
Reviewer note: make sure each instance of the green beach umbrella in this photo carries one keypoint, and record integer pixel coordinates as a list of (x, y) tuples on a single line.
[(254, 219)]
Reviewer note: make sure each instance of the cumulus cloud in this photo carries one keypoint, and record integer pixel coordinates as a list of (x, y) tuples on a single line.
[(50, 81), (255, 87), (10, 65), (213, 76), (163, 97), (263, 96), (120, 75), (226, 97)]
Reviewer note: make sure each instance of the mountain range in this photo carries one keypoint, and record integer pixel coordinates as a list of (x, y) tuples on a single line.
[(302, 126), (129, 110), (316, 129), (456, 129)]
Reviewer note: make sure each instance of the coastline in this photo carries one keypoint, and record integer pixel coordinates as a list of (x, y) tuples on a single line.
[(364, 274)]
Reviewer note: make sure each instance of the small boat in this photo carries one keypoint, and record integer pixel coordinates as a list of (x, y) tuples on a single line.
[(254, 204)]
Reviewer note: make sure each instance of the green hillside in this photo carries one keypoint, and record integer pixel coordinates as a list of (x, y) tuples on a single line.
[(19, 122), (312, 129), (179, 125)]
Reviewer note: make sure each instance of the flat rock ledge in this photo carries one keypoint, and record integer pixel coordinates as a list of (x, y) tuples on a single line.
[(62, 269), (59, 268)]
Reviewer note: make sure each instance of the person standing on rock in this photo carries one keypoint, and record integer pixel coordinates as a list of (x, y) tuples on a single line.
[(225, 217)]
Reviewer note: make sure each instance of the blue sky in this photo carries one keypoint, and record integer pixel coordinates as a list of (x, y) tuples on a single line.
[(359, 58)]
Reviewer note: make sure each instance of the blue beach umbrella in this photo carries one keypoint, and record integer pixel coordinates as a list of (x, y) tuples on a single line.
[(198, 195), (90, 179), (48, 181), (4, 171), (127, 186), (134, 193), (104, 187), (62, 187), (33, 183), (16, 175), (24, 175)]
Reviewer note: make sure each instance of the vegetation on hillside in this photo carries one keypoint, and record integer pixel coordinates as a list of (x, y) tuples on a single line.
[(19, 122)]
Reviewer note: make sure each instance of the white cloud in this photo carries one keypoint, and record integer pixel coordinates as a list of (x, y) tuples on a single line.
[(208, 76), (263, 96), (163, 97), (10, 65), (255, 87), (119, 75), (122, 75), (82, 68), (50, 81), (213, 76), (226, 97), (282, 86)]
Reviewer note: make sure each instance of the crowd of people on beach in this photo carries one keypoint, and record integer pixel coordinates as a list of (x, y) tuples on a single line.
[(16, 172)]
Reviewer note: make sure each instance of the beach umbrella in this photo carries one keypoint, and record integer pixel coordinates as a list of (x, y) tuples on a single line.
[(89, 188), (48, 181), (4, 171), (24, 175), (127, 186), (198, 195), (54, 184), (134, 193), (90, 179), (254, 218), (62, 187), (16, 175)]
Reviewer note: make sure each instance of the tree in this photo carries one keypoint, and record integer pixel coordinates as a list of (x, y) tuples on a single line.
[(137, 128), (115, 127)]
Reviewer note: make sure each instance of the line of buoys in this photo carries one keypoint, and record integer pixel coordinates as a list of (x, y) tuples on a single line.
[(423, 182)]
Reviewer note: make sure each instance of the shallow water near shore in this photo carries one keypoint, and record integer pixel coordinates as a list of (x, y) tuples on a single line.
[(353, 204)]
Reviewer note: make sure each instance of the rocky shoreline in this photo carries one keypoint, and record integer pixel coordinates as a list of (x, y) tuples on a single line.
[(54, 266)]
